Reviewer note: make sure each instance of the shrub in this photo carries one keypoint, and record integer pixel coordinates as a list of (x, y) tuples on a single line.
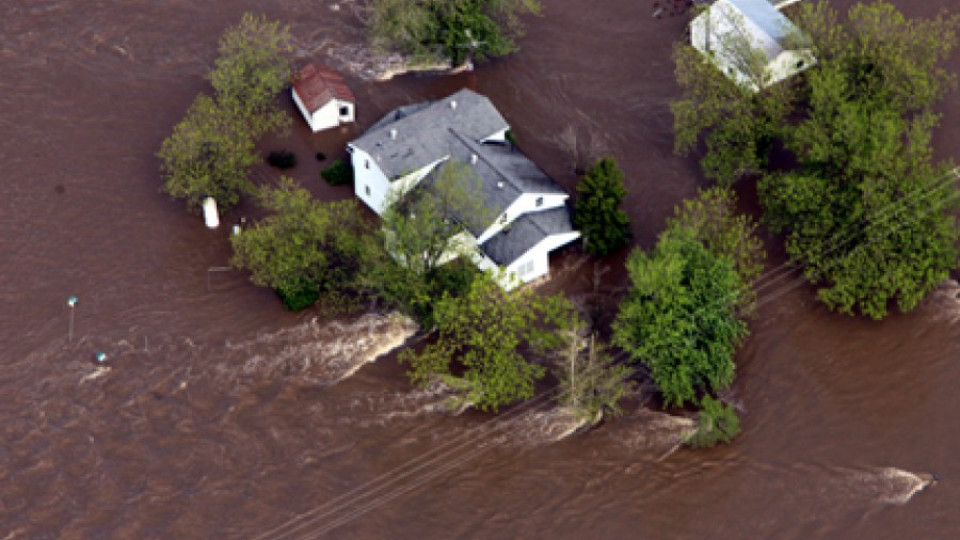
[(717, 423), (300, 297), (338, 173), (282, 159)]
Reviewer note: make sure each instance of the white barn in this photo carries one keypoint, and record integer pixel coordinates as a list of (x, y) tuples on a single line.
[(528, 215), (724, 30), (323, 97)]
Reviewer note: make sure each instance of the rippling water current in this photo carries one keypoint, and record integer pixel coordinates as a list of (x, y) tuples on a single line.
[(218, 416)]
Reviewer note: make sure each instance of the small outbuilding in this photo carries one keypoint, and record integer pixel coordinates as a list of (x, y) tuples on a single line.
[(751, 42), (323, 97)]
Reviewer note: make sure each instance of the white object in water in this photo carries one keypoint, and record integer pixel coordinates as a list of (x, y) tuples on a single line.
[(210, 216)]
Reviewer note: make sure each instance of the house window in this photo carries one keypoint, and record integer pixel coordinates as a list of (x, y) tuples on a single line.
[(366, 163), (539, 202), (344, 110), (800, 64), (367, 190)]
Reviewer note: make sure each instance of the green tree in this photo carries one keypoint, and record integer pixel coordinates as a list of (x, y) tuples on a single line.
[(736, 125), (867, 212), (716, 423), (306, 249), (428, 224), (449, 28), (713, 218), (597, 214), (207, 155), (680, 316), (483, 337), (252, 68)]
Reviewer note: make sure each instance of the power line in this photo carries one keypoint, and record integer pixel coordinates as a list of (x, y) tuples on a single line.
[(484, 431)]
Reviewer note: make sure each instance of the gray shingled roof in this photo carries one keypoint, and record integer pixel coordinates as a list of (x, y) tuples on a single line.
[(770, 20), (503, 174), (423, 131), (526, 232)]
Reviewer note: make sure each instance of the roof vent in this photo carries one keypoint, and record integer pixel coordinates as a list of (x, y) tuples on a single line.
[(393, 134), (453, 104), (500, 184), (473, 159)]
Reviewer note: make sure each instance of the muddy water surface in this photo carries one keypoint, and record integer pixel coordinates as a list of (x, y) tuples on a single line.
[(219, 416)]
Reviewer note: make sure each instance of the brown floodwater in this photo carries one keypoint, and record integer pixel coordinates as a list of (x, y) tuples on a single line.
[(220, 415)]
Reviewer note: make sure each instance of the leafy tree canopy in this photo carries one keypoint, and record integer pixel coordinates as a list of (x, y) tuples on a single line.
[(712, 218), (716, 423), (867, 212), (207, 155), (449, 28), (679, 317), (305, 247), (482, 340), (253, 66), (598, 216), (736, 125)]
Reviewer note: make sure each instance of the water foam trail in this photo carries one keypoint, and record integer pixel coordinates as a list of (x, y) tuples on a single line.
[(323, 353)]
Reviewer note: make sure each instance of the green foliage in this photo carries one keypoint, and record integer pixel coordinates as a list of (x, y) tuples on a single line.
[(252, 68), (716, 423), (451, 28), (212, 149), (604, 225), (737, 125), (679, 317), (486, 333), (867, 212), (207, 155), (591, 383), (891, 58), (426, 225), (306, 248), (338, 173), (713, 219), (298, 295)]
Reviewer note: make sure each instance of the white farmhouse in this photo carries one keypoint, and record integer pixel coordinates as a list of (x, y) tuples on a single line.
[(528, 216), (728, 30), (323, 97)]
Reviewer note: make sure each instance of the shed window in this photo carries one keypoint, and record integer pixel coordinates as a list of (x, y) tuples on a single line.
[(367, 190), (366, 163), (539, 202), (344, 110)]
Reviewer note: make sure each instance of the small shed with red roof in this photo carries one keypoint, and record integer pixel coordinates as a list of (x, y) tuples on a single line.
[(323, 97)]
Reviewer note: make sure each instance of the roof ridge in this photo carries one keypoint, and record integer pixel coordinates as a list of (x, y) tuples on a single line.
[(469, 145)]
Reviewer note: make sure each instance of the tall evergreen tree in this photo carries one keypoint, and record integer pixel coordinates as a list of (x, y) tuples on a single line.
[(597, 215)]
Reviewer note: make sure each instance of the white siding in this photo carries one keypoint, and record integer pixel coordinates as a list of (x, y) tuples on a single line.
[(369, 182), (351, 112)]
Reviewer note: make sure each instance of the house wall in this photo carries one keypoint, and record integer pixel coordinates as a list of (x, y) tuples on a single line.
[(325, 117), (367, 174), (369, 183), (351, 112), (535, 263), (526, 203)]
